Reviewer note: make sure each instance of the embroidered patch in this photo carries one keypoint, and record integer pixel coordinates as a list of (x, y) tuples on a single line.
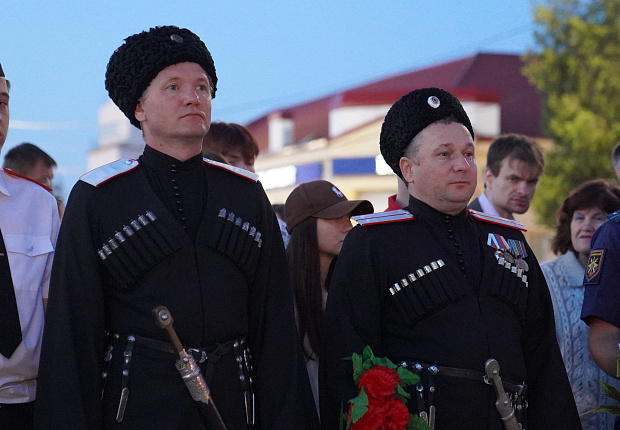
[(595, 263)]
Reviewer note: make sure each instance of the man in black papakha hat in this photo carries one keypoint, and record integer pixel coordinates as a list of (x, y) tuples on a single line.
[(168, 229), (442, 290)]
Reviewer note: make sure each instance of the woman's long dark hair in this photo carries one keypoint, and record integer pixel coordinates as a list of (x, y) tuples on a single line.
[(303, 260)]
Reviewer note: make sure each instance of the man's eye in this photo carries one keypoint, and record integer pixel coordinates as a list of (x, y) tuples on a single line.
[(173, 87)]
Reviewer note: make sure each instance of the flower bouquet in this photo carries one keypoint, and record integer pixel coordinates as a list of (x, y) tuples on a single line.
[(380, 404)]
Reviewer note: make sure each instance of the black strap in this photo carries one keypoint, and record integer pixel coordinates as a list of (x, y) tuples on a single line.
[(11, 332), (474, 376), (210, 354)]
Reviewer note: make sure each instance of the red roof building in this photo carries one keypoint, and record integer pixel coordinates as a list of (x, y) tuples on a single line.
[(479, 81)]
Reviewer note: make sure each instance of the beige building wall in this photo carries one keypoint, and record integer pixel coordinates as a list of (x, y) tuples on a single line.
[(363, 142)]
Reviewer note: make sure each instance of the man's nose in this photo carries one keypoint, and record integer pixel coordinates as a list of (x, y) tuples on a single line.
[(192, 97)]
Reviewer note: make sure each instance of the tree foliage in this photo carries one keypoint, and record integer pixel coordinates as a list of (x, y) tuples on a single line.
[(576, 65)]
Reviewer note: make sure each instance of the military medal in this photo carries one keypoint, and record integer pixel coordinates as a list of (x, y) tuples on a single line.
[(523, 264)]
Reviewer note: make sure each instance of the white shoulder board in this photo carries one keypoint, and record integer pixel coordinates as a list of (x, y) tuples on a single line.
[(236, 170), (106, 172), (383, 217), (493, 219)]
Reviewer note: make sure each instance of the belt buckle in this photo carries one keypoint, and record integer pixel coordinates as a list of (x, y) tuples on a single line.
[(200, 355)]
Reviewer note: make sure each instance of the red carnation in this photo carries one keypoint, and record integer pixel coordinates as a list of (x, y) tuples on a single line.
[(374, 418), (397, 415), (379, 382)]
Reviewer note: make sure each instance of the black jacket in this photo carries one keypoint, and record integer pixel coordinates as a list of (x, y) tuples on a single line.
[(220, 282), (467, 309)]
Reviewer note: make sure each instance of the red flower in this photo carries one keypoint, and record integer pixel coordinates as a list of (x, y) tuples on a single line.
[(397, 415), (374, 418), (379, 382)]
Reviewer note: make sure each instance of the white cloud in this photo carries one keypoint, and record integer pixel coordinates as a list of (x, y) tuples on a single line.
[(16, 124)]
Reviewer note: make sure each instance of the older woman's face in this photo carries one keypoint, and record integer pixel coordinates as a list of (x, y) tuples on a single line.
[(582, 226)]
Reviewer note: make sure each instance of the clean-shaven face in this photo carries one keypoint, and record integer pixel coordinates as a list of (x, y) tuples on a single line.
[(512, 190), (176, 105), (444, 172)]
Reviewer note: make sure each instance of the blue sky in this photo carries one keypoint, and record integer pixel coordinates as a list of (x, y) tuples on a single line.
[(268, 54)]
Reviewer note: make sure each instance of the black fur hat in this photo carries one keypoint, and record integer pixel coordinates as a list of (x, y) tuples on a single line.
[(411, 114), (137, 62)]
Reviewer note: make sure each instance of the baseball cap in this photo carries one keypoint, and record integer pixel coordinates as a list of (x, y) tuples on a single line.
[(320, 199)]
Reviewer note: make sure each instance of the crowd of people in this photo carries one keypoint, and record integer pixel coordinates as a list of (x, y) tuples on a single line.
[(173, 294)]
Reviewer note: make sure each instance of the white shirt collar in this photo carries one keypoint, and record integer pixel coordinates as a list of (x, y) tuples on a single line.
[(487, 206), (3, 188)]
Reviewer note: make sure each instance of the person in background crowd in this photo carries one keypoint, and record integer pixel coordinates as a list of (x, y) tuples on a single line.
[(400, 199), (583, 211), (31, 161), (234, 142), (615, 159), (601, 302), (29, 225), (442, 291), (318, 217), (168, 229), (215, 156), (515, 163), (278, 209)]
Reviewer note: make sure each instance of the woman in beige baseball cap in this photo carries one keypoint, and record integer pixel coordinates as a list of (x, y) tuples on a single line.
[(318, 217)]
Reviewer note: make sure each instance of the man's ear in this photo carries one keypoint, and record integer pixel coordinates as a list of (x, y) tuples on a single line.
[(488, 177), (406, 168), (139, 112)]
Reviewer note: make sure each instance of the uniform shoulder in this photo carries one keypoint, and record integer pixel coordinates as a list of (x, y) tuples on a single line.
[(383, 217), (109, 171), (615, 216), (232, 169), (18, 175), (493, 219)]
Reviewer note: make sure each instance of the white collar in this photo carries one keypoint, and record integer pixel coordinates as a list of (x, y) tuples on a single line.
[(487, 206)]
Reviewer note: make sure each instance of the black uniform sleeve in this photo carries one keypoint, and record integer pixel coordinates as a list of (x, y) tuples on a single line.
[(549, 395), (352, 321), (69, 387), (273, 335)]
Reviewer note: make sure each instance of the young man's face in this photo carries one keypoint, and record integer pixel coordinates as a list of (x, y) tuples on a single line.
[(512, 190), (176, 105), (236, 158), (4, 111), (444, 172), (41, 173)]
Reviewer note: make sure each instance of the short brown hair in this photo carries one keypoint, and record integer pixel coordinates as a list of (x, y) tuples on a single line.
[(224, 136), (25, 156), (592, 194), (514, 146)]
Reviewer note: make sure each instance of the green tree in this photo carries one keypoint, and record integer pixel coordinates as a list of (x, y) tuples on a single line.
[(576, 64)]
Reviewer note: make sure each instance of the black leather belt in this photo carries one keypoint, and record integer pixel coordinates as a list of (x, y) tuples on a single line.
[(473, 375), (210, 354)]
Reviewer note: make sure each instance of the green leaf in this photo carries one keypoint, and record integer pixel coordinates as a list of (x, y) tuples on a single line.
[(358, 368), (367, 354), (610, 391), (407, 377), (417, 423), (401, 393), (612, 409), (360, 406)]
